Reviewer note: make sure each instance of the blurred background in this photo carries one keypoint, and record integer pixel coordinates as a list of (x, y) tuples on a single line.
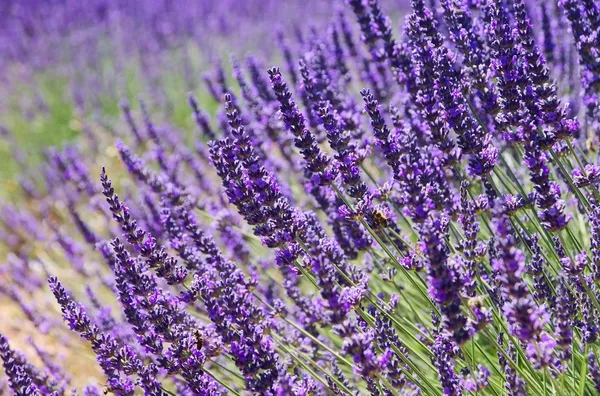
[(68, 64)]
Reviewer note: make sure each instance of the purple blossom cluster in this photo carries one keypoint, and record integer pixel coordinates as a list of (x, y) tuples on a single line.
[(386, 211)]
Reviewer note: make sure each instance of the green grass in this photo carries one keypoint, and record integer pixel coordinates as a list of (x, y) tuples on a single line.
[(59, 123)]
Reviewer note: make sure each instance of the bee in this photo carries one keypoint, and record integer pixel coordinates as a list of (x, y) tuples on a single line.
[(475, 302), (381, 220), (591, 144), (199, 339)]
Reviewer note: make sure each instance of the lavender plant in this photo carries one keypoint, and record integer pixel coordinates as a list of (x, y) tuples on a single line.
[(385, 211)]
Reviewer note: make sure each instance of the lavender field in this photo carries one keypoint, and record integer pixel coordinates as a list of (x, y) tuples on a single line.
[(299, 197)]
